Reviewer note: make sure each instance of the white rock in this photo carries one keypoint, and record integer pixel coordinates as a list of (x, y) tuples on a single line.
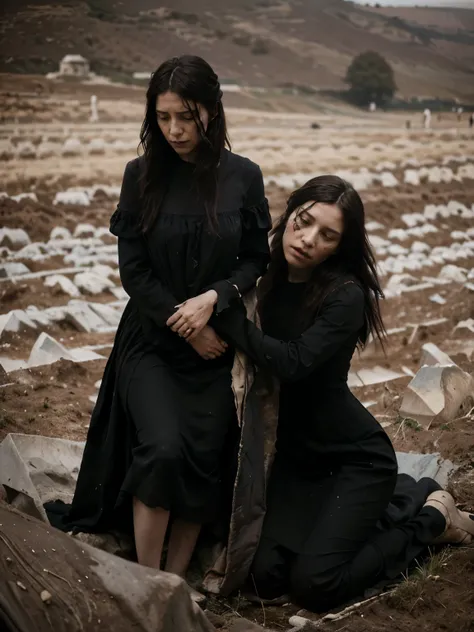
[(72, 147), (11, 270), (14, 238), (103, 270), (84, 230), (437, 298), (453, 273), (26, 150), (15, 321), (92, 283), (59, 233), (373, 226), (63, 283), (96, 146), (420, 246), (411, 176), (72, 197), (47, 149), (37, 316)]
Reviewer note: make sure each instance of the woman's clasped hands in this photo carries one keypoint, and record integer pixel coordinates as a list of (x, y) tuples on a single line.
[(190, 322)]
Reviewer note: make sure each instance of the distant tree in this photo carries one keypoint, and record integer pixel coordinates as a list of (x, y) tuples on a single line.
[(370, 78)]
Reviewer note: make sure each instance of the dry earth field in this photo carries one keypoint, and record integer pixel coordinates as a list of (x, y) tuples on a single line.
[(418, 187)]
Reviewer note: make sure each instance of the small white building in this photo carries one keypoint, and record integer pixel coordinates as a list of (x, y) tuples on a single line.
[(74, 66)]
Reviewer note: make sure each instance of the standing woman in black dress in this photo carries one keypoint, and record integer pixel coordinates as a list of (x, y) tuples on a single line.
[(338, 518), (192, 226)]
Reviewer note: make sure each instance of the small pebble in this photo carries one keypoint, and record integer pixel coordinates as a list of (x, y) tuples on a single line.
[(20, 585), (45, 596)]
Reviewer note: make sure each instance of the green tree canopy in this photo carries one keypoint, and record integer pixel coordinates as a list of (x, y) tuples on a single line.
[(370, 78)]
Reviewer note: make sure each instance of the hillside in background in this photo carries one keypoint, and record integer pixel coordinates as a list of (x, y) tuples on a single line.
[(262, 43)]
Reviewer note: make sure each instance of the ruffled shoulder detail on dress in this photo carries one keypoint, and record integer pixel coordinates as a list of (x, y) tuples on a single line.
[(125, 224), (257, 216)]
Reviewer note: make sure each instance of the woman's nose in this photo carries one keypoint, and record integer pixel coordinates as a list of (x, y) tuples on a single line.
[(175, 128)]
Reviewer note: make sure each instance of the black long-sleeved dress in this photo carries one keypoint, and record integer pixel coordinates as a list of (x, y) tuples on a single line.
[(321, 425), (163, 412), (338, 519)]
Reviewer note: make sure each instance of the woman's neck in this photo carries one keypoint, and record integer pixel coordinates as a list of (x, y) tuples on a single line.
[(298, 275)]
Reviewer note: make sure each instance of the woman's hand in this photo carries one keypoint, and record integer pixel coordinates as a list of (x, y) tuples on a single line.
[(193, 315), (208, 344)]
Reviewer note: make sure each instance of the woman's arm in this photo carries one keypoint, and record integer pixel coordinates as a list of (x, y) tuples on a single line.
[(254, 253), (138, 279), (342, 315)]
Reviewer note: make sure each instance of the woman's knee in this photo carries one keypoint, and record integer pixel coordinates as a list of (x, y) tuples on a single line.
[(314, 587)]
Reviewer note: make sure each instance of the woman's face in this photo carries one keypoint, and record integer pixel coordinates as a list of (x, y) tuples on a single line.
[(178, 125), (312, 234)]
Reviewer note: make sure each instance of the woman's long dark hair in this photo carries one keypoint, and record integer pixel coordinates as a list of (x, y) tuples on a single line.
[(353, 258), (195, 82)]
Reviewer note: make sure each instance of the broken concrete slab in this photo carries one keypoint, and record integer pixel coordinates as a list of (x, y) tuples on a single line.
[(62, 283), (92, 283), (425, 465), (353, 380), (108, 314), (119, 293), (15, 321), (377, 375), (80, 314), (465, 324), (437, 298), (60, 233), (437, 394), (124, 595), (47, 350), (12, 269), (432, 355), (453, 273), (10, 364), (84, 230), (81, 354), (14, 238)]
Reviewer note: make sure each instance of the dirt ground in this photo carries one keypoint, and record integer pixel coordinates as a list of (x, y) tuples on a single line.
[(54, 400)]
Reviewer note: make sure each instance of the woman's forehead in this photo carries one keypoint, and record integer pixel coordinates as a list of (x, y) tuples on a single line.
[(172, 102)]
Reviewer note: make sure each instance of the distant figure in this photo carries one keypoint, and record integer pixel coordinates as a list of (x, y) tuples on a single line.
[(373, 107), (427, 118), (408, 124), (94, 112), (315, 126), (471, 120), (460, 112)]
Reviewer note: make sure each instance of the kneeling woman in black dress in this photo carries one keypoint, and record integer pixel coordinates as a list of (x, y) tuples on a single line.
[(338, 518), (192, 226)]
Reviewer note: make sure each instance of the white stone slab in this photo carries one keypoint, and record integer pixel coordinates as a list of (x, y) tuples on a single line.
[(92, 283), (64, 284), (9, 270), (10, 364), (83, 317), (432, 355), (377, 375), (107, 313), (119, 293), (47, 350), (14, 238), (85, 355)]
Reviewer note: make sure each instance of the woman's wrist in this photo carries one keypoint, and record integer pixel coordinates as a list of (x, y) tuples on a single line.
[(213, 296)]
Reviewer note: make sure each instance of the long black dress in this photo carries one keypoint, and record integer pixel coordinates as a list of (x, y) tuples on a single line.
[(338, 518), (163, 413)]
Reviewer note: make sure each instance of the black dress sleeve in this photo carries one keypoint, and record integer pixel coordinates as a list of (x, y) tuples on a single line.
[(254, 254), (342, 315), (138, 279)]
